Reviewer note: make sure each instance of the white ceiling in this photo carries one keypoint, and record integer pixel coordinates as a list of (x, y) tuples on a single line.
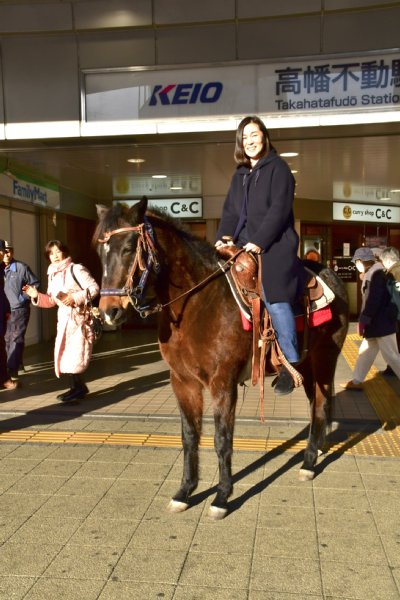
[(363, 155)]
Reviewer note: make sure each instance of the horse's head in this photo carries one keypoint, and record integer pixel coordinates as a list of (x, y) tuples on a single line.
[(124, 254)]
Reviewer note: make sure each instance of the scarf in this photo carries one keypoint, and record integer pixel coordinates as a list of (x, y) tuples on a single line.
[(56, 274)]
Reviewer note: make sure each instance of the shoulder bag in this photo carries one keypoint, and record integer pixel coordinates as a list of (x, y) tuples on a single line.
[(92, 315)]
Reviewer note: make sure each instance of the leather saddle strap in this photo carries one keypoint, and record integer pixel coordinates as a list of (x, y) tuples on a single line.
[(256, 311), (267, 337), (245, 298)]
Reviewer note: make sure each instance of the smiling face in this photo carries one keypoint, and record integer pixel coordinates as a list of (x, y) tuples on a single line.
[(253, 142)]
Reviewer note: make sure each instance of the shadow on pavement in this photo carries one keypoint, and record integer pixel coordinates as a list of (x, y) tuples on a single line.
[(346, 439)]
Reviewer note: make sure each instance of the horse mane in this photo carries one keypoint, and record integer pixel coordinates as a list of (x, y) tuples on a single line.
[(117, 217)]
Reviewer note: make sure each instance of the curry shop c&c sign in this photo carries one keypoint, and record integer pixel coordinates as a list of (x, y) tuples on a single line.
[(365, 212)]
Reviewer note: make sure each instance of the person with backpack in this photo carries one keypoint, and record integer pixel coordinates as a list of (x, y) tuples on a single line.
[(390, 258), (377, 321)]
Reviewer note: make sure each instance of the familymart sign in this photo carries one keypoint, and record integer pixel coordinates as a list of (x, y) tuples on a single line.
[(29, 191)]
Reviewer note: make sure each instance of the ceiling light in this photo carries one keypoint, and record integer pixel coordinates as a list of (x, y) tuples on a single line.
[(159, 176), (136, 161), (294, 171), (176, 187), (289, 154), (394, 191)]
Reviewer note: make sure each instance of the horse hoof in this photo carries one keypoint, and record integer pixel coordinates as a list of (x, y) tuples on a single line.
[(177, 507), (306, 475), (216, 514)]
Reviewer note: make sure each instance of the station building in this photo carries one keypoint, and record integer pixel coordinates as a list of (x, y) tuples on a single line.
[(105, 101)]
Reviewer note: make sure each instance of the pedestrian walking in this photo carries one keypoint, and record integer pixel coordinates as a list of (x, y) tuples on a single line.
[(390, 258), (17, 274), (377, 321), (68, 287), (5, 382)]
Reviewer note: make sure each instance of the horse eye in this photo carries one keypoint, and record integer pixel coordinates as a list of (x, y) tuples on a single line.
[(127, 250)]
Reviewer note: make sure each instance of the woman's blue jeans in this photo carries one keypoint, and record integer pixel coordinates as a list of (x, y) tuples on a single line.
[(285, 328)]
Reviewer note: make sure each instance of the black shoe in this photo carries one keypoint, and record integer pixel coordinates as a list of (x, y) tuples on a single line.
[(284, 383), (75, 394), (388, 372), (61, 396)]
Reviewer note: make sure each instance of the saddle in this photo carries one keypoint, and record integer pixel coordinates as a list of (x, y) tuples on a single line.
[(244, 278)]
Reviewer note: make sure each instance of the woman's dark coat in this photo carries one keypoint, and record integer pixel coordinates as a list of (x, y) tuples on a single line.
[(378, 314), (270, 223)]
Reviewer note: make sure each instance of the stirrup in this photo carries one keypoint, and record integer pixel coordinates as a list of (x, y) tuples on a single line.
[(283, 384)]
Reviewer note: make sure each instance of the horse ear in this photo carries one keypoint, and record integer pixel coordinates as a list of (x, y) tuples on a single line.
[(137, 211), (101, 211)]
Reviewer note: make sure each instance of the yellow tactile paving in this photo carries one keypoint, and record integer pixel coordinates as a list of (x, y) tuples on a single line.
[(381, 395), (383, 444)]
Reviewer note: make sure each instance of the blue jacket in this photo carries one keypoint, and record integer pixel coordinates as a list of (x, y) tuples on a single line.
[(16, 275), (259, 209), (4, 304), (378, 314)]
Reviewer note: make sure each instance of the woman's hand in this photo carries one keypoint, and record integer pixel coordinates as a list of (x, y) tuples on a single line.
[(249, 247), (68, 300), (30, 291), (226, 241)]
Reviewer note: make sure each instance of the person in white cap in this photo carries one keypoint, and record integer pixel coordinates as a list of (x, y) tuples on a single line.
[(377, 321)]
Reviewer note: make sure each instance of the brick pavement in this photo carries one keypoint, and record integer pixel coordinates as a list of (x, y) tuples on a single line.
[(89, 520)]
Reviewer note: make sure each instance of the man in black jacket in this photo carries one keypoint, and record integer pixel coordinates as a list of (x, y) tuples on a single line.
[(16, 275)]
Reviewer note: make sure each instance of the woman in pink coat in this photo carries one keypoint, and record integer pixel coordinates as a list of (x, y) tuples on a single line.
[(68, 284)]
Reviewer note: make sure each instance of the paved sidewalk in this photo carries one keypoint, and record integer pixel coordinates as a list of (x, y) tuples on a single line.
[(89, 522), (83, 509), (128, 377)]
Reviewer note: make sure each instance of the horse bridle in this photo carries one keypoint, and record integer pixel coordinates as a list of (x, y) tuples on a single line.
[(145, 260), (146, 245)]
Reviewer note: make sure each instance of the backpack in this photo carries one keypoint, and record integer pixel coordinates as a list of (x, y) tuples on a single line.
[(393, 287)]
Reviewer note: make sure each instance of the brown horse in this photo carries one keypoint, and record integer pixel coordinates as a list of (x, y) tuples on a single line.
[(157, 266)]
